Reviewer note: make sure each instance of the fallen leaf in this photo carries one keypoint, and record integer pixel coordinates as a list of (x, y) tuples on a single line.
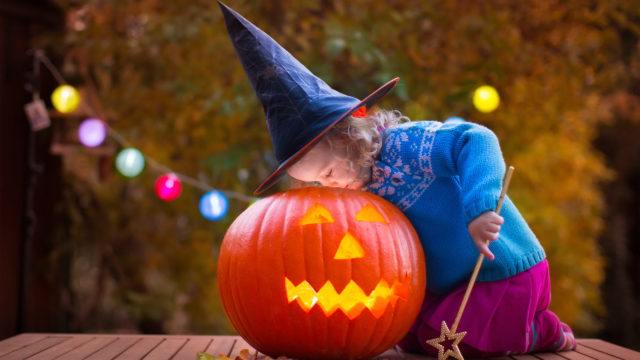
[(207, 356)]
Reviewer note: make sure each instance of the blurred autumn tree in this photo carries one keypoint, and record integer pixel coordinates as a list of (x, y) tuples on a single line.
[(167, 77), (618, 140)]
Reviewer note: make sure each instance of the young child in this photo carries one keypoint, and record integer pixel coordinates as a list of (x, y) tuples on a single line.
[(446, 178)]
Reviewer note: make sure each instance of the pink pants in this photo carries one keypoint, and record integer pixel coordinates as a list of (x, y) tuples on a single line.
[(509, 316)]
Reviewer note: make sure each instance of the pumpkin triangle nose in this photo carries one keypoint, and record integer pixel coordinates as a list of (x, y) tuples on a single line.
[(349, 248)]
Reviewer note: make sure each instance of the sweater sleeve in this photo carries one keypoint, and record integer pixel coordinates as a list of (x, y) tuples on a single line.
[(470, 152)]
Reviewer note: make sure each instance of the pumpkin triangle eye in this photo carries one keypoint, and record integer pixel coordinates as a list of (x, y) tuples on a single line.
[(318, 214), (349, 248), (369, 213)]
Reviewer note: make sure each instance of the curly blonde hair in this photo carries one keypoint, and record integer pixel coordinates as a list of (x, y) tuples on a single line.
[(361, 137)]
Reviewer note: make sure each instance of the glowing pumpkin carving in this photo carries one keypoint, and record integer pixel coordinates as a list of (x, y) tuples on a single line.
[(322, 273)]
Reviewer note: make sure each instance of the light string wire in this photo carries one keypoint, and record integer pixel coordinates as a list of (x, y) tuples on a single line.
[(122, 141), (34, 169)]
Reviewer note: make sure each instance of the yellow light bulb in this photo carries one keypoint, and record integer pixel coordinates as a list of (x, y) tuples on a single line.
[(65, 98), (486, 98)]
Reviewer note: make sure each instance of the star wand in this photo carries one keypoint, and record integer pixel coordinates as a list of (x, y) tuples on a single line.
[(450, 335)]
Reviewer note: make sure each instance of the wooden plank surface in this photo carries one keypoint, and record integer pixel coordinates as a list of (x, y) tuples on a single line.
[(574, 355), (193, 346), (593, 353), (19, 341), (89, 348), (166, 349), (120, 345), (609, 348), (241, 345), (141, 348), (222, 345), (35, 348), (186, 347), (525, 357), (62, 348), (549, 356)]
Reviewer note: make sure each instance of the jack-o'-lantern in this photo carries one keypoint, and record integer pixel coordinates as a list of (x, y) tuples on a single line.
[(322, 273)]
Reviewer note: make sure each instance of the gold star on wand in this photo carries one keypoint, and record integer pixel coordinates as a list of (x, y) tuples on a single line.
[(452, 335), (448, 335)]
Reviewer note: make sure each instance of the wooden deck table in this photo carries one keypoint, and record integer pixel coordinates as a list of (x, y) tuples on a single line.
[(117, 346)]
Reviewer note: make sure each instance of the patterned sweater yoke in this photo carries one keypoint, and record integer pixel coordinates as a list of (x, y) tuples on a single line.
[(442, 176)]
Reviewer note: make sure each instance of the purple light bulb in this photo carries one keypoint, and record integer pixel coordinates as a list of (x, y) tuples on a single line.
[(92, 132)]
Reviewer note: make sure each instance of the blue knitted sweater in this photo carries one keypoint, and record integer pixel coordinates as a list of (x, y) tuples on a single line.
[(442, 176)]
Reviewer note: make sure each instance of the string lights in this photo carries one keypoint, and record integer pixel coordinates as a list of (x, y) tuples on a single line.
[(486, 98), (65, 98), (130, 161), (168, 187), (92, 132)]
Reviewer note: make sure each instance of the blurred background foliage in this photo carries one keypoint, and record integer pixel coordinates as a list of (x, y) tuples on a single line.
[(165, 74)]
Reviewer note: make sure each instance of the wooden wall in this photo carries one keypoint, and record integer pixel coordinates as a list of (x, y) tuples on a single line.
[(26, 302)]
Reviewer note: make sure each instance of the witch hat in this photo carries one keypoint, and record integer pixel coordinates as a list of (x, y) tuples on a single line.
[(300, 107)]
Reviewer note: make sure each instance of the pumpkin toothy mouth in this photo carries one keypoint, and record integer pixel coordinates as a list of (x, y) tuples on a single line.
[(352, 300)]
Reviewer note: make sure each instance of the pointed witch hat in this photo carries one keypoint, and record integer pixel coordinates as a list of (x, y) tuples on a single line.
[(300, 107)]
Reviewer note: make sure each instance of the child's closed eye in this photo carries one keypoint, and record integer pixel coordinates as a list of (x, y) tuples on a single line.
[(328, 175)]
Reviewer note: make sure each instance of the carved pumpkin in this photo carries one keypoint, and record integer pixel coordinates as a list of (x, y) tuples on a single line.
[(322, 273)]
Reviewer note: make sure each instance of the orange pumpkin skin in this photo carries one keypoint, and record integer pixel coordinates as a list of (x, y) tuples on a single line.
[(284, 255)]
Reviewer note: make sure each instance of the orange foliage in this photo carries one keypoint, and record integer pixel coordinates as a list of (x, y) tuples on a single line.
[(167, 76)]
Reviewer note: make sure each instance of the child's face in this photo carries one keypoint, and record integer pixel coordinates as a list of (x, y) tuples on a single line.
[(329, 167)]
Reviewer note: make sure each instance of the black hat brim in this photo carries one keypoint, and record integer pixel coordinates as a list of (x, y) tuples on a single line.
[(368, 101)]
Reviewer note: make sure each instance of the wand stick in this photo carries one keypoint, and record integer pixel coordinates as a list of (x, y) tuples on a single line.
[(451, 335), (476, 270)]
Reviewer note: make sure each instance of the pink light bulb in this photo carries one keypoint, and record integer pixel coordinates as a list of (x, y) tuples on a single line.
[(168, 187)]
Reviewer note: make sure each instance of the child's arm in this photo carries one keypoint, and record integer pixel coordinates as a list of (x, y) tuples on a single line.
[(472, 153)]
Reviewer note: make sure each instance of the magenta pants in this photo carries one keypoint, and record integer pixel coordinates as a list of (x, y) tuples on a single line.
[(509, 316)]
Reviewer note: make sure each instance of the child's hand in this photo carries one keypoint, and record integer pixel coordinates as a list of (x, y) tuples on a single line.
[(484, 229)]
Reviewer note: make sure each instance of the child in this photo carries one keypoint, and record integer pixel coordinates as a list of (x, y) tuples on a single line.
[(445, 177)]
